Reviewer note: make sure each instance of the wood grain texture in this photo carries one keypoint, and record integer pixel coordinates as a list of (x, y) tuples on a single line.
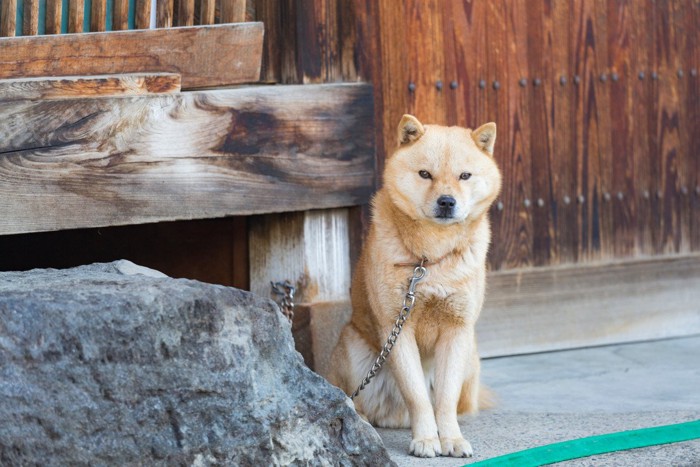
[(556, 308), (600, 160), (207, 10), (120, 15), (233, 11), (8, 18), (164, 13), (113, 161), (186, 51), (185, 13), (98, 15), (72, 87), (30, 22), (142, 16), (53, 17), (75, 15)]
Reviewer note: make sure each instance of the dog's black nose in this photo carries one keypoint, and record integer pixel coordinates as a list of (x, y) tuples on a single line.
[(445, 201)]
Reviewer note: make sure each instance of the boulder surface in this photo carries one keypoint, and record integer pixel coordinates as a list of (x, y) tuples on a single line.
[(113, 364)]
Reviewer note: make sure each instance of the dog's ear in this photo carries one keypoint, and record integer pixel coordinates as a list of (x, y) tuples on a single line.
[(410, 129), (485, 137)]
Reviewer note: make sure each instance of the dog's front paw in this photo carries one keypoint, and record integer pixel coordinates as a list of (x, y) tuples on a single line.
[(426, 447), (456, 447)]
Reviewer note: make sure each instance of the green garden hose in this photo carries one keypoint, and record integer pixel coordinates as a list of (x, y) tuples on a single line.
[(584, 447)]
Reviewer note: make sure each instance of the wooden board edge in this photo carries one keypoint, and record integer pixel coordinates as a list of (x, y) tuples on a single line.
[(71, 87), (37, 56)]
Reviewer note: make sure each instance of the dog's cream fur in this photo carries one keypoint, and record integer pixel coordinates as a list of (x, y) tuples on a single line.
[(432, 374)]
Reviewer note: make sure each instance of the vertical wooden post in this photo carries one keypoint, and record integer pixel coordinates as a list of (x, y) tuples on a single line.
[(207, 10), (8, 18), (75, 15), (53, 17), (311, 250), (30, 26), (98, 16), (120, 15), (185, 13), (232, 11), (143, 14), (164, 13), (306, 44)]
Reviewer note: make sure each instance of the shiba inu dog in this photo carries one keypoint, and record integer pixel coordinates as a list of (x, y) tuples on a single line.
[(438, 186)]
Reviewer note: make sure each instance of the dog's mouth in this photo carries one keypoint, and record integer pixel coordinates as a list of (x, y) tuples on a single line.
[(444, 213)]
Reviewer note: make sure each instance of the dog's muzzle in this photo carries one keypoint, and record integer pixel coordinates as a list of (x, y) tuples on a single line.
[(445, 207)]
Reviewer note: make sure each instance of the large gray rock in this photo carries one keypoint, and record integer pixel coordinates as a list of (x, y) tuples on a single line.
[(109, 364)]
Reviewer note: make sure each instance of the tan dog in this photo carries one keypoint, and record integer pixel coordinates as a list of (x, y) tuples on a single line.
[(438, 186)]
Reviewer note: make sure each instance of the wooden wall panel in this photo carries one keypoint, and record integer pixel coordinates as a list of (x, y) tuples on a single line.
[(600, 165)]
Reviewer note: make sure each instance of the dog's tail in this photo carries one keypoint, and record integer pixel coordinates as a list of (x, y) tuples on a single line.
[(472, 399)]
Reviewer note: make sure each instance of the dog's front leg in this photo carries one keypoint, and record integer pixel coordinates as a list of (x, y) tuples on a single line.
[(405, 364), (453, 351)]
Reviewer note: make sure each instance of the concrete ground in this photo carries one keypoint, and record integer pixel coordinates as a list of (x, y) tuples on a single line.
[(558, 396)]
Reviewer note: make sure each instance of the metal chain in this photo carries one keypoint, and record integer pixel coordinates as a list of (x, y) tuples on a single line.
[(408, 301), (286, 290)]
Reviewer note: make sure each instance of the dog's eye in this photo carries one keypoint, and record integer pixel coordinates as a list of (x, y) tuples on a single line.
[(465, 176), (424, 174)]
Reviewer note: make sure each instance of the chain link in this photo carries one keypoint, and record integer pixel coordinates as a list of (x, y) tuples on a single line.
[(286, 290), (408, 301)]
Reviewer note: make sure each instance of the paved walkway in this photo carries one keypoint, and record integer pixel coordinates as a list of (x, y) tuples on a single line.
[(552, 397)]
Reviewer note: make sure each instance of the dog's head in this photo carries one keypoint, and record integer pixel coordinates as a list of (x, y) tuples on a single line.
[(443, 174)]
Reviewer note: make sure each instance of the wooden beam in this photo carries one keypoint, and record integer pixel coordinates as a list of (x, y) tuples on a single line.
[(310, 250), (71, 87), (112, 161), (186, 51), (554, 308)]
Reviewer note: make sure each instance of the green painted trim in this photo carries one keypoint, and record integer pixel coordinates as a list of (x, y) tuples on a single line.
[(584, 447), (87, 11), (108, 15), (19, 18), (41, 30), (132, 14)]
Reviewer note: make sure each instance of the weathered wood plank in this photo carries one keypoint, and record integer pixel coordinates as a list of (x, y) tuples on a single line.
[(30, 22), (563, 151), (186, 51), (71, 87), (565, 307), (112, 161), (120, 15), (232, 11), (311, 251), (185, 13), (98, 15), (75, 16), (516, 156), (207, 10), (53, 17), (142, 18), (8, 18), (164, 13)]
